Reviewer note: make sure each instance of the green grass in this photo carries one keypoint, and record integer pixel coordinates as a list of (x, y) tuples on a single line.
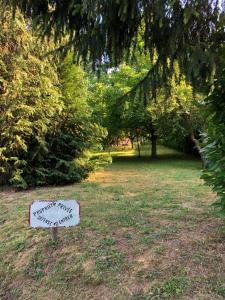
[(147, 232)]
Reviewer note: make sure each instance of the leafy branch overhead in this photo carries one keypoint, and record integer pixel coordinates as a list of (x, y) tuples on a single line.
[(108, 31)]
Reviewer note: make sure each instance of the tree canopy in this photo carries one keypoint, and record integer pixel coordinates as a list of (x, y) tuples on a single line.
[(108, 31)]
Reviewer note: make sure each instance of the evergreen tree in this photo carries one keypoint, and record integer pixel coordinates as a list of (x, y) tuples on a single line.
[(28, 101), (74, 133), (46, 124)]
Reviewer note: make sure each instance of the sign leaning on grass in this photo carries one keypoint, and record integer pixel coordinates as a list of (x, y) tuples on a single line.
[(53, 214)]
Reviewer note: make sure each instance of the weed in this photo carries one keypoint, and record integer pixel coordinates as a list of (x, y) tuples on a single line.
[(16, 292), (109, 260), (147, 240), (220, 290), (108, 241), (123, 219), (174, 286)]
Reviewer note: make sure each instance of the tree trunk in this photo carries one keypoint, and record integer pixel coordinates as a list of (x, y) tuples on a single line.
[(194, 140), (132, 142), (138, 146), (154, 146), (153, 142)]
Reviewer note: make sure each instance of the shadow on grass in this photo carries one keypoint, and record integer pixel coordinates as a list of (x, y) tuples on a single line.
[(190, 161)]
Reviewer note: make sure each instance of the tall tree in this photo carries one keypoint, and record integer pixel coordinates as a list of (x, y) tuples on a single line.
[(116, 114), (45, 124), (29, 97), (74, 133)]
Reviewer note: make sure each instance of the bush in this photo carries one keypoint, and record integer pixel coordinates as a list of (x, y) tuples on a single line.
[(214, 141)]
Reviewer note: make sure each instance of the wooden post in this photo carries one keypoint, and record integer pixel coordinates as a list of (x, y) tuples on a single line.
[(55, 234)]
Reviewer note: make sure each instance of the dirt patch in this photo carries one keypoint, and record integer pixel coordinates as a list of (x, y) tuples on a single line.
[(89, 265), (202, 296), (191, 206), (130, 194), (23, 259)]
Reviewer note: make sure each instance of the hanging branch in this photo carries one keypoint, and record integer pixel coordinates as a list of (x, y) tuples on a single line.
[(142, 83), (187, 118), (110, 29)]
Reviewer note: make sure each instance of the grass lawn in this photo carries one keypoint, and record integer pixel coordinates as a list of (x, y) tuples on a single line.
[(147, 232)]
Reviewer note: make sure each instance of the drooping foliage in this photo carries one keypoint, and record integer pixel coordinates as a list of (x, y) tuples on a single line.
[(185, 31), (181, 119)]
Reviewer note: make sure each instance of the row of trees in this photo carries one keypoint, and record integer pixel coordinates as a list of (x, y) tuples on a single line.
[(173, 118)]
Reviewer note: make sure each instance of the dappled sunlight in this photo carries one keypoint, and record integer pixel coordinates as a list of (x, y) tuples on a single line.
[(163, 152)]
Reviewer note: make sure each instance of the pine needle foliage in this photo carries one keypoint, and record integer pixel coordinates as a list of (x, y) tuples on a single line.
[(108, 31), (29, 98), (45, 124)]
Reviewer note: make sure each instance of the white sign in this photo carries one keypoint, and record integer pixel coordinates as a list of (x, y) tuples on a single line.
[(60, 213)]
